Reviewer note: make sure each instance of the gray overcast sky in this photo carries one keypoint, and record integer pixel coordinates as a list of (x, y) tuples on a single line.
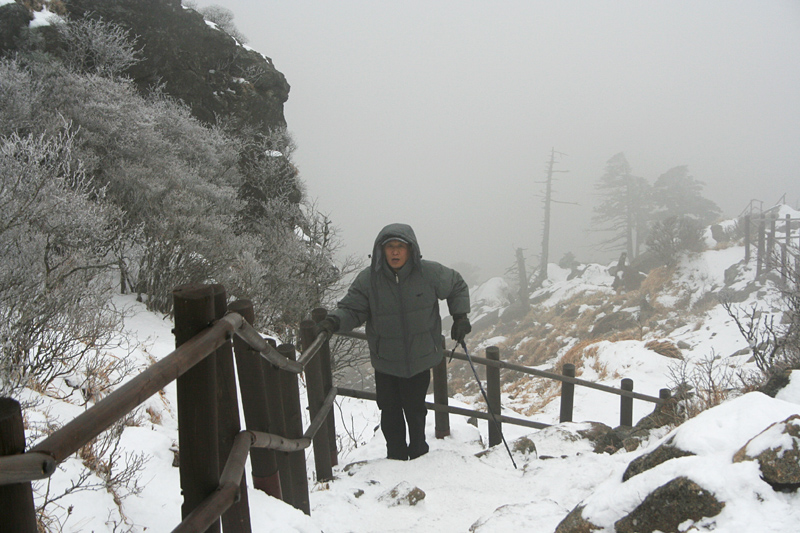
[(442, 113)]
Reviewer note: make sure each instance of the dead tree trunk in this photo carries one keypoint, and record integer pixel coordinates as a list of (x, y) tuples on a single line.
[(548, 201), (524, 289)]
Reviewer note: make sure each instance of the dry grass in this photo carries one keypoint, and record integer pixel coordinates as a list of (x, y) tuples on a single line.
[(634, 334), (665, 348), (154, 415), (538, 393), (657, 281), (564, 333), (578, 354)]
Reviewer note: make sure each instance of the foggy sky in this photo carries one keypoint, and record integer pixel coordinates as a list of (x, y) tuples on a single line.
[(442, 113)]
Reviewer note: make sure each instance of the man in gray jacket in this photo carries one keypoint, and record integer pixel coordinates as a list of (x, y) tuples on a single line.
[(398, 298)]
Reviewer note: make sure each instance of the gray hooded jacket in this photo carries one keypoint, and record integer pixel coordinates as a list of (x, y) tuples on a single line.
[(401, 309)]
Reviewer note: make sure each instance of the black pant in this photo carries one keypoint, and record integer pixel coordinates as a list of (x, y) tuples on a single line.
[(402, 401)]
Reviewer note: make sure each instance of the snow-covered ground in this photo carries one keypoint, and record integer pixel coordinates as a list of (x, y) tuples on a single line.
[(466, 490)]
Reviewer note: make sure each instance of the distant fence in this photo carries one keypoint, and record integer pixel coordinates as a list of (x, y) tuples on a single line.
[(212, 446), (776, 242)]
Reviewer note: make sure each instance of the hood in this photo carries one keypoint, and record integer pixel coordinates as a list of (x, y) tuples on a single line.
[(403, 231)]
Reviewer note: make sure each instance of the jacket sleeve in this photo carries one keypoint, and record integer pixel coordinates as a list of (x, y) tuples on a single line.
[(451, 286), (353, 309)]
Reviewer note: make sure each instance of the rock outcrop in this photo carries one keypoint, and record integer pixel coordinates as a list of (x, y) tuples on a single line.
[(197, 63), (777, 451), (661, 454), (189, 59), (669, 506)]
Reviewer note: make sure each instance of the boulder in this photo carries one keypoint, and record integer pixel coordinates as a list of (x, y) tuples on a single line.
[(670, 506), (525, 446), (14, 20), (665, 452), (776, 382), (664, 414), (574, 522), (603, 438), (777, 450), (403, 494), (719, 234), (614, 322)]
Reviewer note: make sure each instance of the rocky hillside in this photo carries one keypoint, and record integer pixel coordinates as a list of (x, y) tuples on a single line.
[(217, 77), (668, 312)]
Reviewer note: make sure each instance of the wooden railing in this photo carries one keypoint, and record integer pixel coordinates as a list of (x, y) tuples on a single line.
[(776, 247), (212, 446)]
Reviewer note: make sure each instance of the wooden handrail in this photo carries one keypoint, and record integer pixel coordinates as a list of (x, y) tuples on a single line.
[(558, 377), (89, 424), (26, 467), (312, 349), (210, 509), (367, 395), (252, 337), (208, 512), (461, 356)]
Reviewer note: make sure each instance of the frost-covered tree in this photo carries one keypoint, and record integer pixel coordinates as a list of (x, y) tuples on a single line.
[(678, 194), (95, 46), (55, 237), (223, 18), (195, 203), (673, 235), (22, 98), (270, 184), (173, 178), (103, 188), (624, 210)]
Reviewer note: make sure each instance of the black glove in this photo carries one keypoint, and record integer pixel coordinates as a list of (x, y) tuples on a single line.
[(461, 327), (329, 325)]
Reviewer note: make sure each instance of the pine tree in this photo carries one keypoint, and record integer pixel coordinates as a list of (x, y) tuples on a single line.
[(678, 194), (624, 210)]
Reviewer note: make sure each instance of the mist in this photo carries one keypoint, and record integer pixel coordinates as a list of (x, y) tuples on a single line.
[(443, 114)]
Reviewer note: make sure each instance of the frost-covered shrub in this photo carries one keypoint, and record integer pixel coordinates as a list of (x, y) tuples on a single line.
[(223, 19), (287, 276), (21, 99), (54, 243), (95, 46), (193, 203), (773, 338), (669, 238)]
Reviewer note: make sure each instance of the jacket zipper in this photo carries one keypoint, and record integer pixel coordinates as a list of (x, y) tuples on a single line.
[(406, 344)]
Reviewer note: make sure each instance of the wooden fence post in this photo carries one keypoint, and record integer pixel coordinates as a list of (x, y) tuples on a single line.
[(747, 239), (785, 249), (277, 421), (198, 439), (237, 518), (440, 397), (567, 393), (17, 512), (762, 228), (254, 402), (626, 404), (770, 257), (493, 395), (293, 416), (316, 397), (327, 381)]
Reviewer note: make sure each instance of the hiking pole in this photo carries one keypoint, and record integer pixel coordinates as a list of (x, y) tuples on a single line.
[(486, 398)]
